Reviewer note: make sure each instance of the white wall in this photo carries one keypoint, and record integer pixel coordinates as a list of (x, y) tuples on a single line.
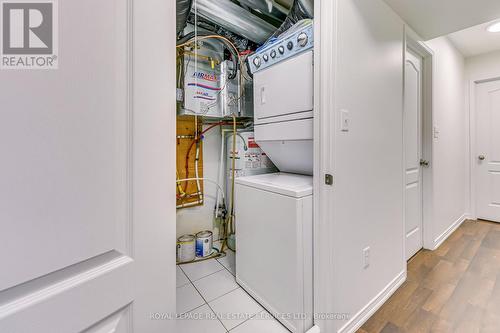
[(367, 205), (449, 158), (194, 219), (367, 160), (483, 66)]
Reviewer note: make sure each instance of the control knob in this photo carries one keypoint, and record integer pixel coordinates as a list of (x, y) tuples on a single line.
[(302, 39), (273, 54), (281, 49), (265, 57), (290, 45), (257, 62)]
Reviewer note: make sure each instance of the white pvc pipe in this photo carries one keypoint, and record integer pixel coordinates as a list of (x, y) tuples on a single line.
[(205, 179), (220, 172)]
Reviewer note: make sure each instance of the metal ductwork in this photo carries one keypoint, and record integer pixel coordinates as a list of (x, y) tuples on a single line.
[(234, 18), (307, 7), (230, 16), (301, 9), (267, 7), (183, 8)]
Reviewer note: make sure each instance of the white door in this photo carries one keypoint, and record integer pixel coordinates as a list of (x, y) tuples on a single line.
[(488, 150), (86, 208), (413, 152)]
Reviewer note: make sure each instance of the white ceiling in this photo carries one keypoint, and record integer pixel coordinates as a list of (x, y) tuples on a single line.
[(476, 40), (434, 18)]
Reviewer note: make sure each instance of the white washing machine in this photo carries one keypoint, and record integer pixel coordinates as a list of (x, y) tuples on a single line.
[(274, 261)]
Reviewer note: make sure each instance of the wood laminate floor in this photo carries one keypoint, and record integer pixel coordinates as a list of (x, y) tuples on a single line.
[(453, 289)]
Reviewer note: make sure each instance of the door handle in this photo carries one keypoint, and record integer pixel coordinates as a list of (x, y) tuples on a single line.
[(481, 157), (424, 163)]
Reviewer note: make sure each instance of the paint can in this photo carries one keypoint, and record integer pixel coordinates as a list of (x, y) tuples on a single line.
[(186, 248), (204, 240)]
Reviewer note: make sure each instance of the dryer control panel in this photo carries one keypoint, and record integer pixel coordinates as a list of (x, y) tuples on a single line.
[(297, 39)]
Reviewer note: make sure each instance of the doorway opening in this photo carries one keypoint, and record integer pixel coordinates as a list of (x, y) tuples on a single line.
[(244, 187)]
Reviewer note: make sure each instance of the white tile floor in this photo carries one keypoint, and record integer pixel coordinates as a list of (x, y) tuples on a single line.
[(207, 288)]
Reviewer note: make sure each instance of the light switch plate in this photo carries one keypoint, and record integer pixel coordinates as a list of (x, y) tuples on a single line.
[(345, 121), (436, 132)]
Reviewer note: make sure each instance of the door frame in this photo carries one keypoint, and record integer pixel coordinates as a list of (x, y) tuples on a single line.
[(412, 43), (325, 58), (473, 83)]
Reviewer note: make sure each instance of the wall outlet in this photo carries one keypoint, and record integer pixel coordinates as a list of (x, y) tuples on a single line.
[(366, 257)]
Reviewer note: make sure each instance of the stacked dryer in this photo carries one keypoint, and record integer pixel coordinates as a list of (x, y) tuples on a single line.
[(283, 101), (274, 211)]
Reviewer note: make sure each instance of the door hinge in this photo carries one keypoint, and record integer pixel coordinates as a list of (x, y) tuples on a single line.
[(424, 163), (329, 179)]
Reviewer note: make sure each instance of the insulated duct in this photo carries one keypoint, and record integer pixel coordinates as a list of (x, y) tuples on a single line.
[(234, 18), (307, 7), (267, 7), (183, 8), (301, 9)]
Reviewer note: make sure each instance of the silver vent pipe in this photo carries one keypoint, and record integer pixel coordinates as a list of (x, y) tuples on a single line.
[(234, 18), (301, 9), (308, 7), (267, 7), (183, 8)]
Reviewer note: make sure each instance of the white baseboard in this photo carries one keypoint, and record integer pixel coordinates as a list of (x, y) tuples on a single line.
[(444, 236), (362, 316)]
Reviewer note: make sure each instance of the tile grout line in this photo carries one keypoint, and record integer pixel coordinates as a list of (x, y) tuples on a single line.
[(205, 275), (190, 281), (206, 303), (228, 268), (255, 315), (238, 287), (220, 321)]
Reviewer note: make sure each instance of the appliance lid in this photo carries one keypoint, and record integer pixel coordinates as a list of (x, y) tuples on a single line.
[(288, 184)]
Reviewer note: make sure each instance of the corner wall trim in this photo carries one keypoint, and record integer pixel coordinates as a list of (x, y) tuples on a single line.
[(362, 316), (444, 236), (314, 329)]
